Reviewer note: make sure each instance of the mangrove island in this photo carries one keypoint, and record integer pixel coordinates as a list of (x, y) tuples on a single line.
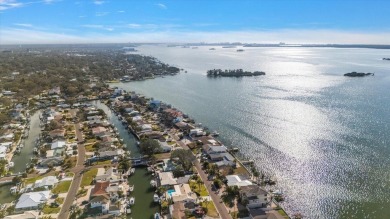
[(232, 73), (358, 74)]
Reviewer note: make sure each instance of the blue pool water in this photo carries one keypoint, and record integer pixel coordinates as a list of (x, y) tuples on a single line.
[(170, 192)]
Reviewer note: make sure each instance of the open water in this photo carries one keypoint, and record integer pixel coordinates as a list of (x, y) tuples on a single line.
[(323, 136)]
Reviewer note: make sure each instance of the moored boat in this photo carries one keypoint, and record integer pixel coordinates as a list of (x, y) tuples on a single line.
[(132, 201)]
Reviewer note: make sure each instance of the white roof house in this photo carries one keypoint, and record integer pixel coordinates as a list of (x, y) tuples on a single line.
[(57, 144), (146, 127), (166, 178), (183, 193), (234, 180), (32, 200), (24, 215), (48, 181)]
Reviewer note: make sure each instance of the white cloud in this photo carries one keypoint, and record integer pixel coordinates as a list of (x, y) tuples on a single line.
[(100, 14), (9, 4), (82, 16), (23, 25), (29, 36), (121, 11), (98, 2), (98, 26), (162, 6)]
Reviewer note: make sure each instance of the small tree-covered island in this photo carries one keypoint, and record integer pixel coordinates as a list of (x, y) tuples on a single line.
[(232, 73), (358, 74)]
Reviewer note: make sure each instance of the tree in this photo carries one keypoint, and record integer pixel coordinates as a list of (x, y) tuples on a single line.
[(124, 164), (230, 195), (150, 147), (16, 179), (183, 157), (178, 172), (199, 182)]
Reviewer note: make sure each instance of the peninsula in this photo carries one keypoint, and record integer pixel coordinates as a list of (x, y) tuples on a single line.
[(232, 73), (358, 74)]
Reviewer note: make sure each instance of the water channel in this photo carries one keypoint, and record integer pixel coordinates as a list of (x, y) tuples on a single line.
[(23, 159), (144, 206)]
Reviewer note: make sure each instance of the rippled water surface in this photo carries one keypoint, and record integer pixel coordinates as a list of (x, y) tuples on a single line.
[(324, 137)]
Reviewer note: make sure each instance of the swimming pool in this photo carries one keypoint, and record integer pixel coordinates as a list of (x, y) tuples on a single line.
[(170, 192)]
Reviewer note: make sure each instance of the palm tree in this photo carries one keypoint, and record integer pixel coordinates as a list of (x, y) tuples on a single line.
[(199, 182)]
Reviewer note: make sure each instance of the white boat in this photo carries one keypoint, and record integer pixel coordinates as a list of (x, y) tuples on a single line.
[(132, 201), (131, 188), (153, 183), (215, 133), (156, 198), (132, 170), (277, 192), (157, 216), (11, 164), (128, 210)]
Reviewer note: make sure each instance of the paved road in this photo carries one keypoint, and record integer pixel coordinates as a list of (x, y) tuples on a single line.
[(223, 212), (77, 170)]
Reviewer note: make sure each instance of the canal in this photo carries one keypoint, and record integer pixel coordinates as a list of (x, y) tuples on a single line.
[(144, 206), (5, 193), (23, 159)]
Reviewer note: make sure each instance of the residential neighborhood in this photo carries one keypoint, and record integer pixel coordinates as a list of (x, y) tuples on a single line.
[(112, 153)]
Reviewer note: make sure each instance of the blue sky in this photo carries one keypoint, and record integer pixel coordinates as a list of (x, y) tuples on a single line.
[(262, 21)]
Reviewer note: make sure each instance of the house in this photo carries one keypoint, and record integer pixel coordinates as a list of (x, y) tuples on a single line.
[(166, 179), (57, 133), (114, 190), (165, 147), (98, 130), (208, 140), (235, 180), (100, 189), (102, 202), (223, 159), (24, 215), (111, 174), (55, 91), (197, 132), (146, 127), (8, 137), (183, 193), (57, 144), (111, 154), (257, 213), (51, 161), (255, 196), (209, 149), (3, 152), (48, 182), (114, 210), (184, 126), (32, 200), (154, 104)]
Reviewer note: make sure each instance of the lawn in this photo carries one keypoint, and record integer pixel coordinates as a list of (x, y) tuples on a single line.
[(62, 187), (195, 188), (60, 200), (32, 179), (88, 177), (89, 148), (211, 210), (240, 170), (103, 162), (49, 210), (283, 213), (162, 156)]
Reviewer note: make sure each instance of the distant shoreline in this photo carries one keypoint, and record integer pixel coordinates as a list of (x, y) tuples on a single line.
[(5, 47)]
